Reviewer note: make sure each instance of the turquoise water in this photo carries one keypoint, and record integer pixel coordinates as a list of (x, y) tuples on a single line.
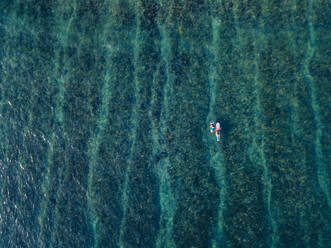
[(104, 115)]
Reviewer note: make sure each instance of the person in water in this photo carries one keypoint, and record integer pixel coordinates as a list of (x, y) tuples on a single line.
[(212, 126)]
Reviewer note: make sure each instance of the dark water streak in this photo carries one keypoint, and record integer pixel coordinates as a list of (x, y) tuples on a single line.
[(81, 101), (28, 104), (188, 34), (142, 214)]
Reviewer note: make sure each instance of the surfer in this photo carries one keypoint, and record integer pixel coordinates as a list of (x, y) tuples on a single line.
[(218, 132)]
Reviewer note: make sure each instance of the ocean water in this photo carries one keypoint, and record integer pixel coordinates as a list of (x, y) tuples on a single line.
[(104, 114)]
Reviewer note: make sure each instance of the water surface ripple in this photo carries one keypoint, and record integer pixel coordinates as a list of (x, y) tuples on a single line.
[(104, 114)]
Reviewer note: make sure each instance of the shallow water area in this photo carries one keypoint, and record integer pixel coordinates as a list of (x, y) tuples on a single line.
[(104, 124)]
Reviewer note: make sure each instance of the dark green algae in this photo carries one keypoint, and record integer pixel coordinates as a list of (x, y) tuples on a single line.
[(57, 59)]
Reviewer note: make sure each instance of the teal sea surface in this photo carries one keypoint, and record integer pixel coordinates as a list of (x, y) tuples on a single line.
[(104, 123)]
